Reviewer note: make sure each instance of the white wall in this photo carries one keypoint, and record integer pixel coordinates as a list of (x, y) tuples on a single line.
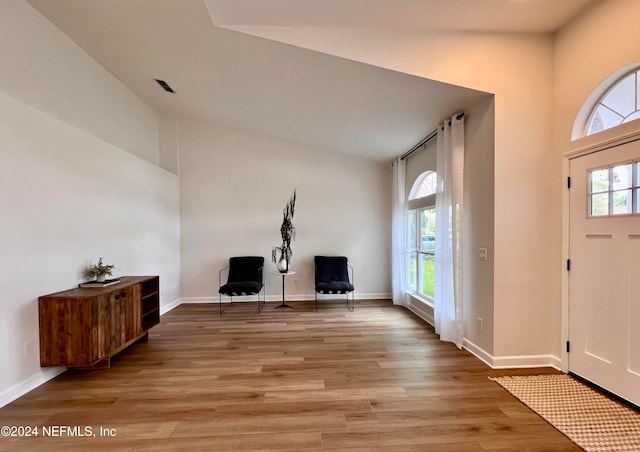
[(43, 67), (479, 225), (68, 194), (518, 70), (234, 187), (596, 45), (599, 43)]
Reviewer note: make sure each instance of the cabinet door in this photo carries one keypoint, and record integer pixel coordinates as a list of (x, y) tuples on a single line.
[(133, 313), (101, 327), (126, 316), (116, 316), (65, 326)]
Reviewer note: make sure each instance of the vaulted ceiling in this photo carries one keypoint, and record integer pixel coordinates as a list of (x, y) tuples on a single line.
[(297, 95), (521, 16)]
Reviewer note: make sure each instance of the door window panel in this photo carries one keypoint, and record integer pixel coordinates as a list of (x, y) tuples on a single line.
[(622, 202), (614, 190), (621, 176)]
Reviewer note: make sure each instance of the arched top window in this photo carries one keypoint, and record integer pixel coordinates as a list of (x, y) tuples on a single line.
[(425, 185), (620, 104)]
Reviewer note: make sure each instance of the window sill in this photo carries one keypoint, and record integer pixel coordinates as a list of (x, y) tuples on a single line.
[(421, 299)]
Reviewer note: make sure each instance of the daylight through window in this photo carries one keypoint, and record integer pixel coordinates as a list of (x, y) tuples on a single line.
[(421, 236), (424, 185), (614, 190), (619, 105)]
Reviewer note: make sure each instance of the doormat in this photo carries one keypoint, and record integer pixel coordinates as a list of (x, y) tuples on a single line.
[(590, 419)]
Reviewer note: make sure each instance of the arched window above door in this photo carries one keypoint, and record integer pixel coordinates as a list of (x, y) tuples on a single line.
[(619, 104)]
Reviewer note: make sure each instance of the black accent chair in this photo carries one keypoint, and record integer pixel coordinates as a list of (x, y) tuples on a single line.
[(332, 277), (244, 278)]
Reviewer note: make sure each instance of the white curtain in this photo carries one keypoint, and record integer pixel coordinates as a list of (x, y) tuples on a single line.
[(398, 234), (448, 256)]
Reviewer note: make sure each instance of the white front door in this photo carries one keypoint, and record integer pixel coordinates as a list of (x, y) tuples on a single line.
[(604, 276)]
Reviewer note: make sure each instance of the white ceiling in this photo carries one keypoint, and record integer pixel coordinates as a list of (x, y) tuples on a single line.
[(281, 91), (527, 16)]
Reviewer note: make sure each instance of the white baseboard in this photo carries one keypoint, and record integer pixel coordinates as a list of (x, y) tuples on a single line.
[(19, 389), (421, 310), (170, 306), (511, 362), (515, 362), (278, 298), (478, 352), (495, 362)]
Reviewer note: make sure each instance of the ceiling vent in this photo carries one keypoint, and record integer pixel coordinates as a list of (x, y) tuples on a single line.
[(165, 86)]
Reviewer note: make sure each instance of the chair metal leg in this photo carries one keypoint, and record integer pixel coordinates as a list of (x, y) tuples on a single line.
[(228, 304), (352, 305), (262, 301)]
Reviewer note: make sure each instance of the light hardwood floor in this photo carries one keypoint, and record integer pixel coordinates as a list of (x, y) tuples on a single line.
[(374, 379)]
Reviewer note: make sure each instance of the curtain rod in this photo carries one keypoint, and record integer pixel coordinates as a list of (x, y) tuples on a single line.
[(425, 140)]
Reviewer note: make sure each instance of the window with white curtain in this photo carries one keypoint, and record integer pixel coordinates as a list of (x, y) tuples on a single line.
[(421, 236)]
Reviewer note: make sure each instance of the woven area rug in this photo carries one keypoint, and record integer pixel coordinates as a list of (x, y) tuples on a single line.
[(590, 419)]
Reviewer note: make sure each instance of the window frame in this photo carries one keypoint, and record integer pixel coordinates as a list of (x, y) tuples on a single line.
[(634, 188), (416, 254), (420, 182), (624, 118)]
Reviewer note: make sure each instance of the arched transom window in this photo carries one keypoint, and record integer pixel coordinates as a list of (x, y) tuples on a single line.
[(620, 104), (424, 185)]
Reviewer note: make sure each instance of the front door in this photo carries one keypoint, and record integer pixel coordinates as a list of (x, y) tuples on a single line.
[(604, 277)]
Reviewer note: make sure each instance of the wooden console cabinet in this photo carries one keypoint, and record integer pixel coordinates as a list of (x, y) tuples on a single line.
[(85, 327)]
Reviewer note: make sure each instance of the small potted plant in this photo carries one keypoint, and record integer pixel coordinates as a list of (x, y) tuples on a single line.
[(100, 270)]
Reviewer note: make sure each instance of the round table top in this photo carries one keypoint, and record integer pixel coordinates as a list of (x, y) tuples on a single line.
[(285, 273)]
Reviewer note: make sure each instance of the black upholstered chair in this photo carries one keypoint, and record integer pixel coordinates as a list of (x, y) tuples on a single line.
[(332, 277), (244, 278)]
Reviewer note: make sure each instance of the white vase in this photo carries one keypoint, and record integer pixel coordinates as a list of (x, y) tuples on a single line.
[(101, 278), (283, 266)]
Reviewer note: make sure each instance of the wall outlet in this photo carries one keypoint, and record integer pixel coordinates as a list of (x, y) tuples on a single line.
[(28, 348), (480, 323), (484, 254)]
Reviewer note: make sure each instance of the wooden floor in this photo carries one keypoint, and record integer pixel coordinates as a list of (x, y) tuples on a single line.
[(374, 379)]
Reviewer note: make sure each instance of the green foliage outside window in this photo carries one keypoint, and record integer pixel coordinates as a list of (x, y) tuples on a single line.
[(428, 275)]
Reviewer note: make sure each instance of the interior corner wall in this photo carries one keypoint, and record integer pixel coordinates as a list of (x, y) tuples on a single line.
[(517, 68), (234, 187), (598, 43), (169, 144), (44, 68), (68, 195), (479, 214)]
